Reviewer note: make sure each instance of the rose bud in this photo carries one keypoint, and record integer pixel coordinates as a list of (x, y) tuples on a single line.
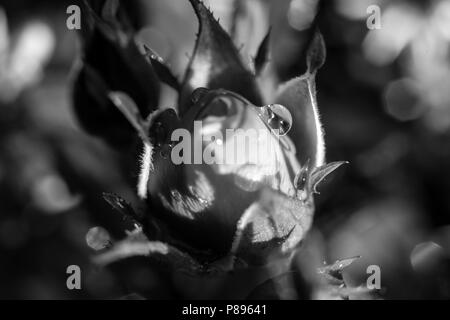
[(209, 208)]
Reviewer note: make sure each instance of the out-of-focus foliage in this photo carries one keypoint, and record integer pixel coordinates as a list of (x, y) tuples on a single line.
[(384, 106)]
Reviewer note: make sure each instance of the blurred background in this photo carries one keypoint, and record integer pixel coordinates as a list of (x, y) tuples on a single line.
[(384, 96)]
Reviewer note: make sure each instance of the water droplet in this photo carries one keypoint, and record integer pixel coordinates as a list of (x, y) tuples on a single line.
[(278, 118), (98, 238)]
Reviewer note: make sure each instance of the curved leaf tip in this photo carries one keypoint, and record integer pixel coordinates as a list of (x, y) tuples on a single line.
[(316, 54), (320, 173)]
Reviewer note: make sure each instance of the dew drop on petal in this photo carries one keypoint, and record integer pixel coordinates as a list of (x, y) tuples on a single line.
[(98, 238), (278, 118), (202, 201)]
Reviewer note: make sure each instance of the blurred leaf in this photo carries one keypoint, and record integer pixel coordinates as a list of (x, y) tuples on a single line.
[(132, 296), (269, 290), (131, 112), (110, 51), (137, 245), (105, 14), (110, 9), (122, 206), (288, 285), (97, 87), (96, 112), (318, 174), (262, 55), (334, 287), (249, 24), (162, 70)]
